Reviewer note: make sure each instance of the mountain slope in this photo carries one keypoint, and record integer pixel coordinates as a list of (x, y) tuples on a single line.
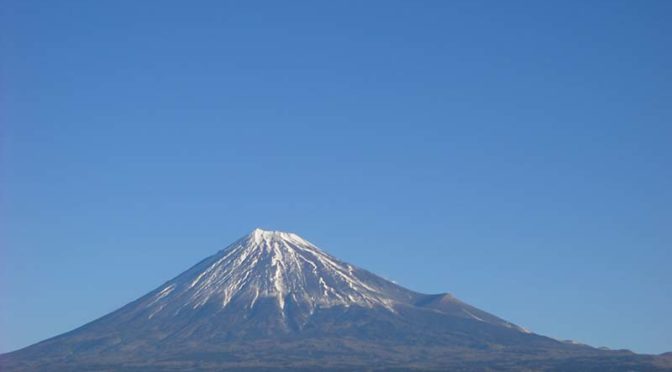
[(272, 299)]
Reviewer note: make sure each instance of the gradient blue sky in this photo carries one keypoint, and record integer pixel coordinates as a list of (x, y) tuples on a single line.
[(516, 154)]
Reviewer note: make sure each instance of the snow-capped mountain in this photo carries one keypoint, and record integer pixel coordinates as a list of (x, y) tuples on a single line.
[(284, 271), (273, 299), (276, 265)]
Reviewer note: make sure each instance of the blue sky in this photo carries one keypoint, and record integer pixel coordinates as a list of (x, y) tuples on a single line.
[(516, 154)]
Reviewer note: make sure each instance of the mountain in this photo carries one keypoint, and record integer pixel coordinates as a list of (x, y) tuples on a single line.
[(273, 300)]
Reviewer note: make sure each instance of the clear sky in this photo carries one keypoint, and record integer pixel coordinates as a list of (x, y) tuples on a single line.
[(516, 154)]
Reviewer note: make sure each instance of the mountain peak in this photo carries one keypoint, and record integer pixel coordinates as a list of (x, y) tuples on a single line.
[(274, 269), (259, 236)]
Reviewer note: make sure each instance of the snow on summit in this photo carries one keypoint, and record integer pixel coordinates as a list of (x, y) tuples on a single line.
[(273, 265)]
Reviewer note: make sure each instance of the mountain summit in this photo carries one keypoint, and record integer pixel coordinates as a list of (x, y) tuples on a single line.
[(274, 300), (278, 266), (286, 278)]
